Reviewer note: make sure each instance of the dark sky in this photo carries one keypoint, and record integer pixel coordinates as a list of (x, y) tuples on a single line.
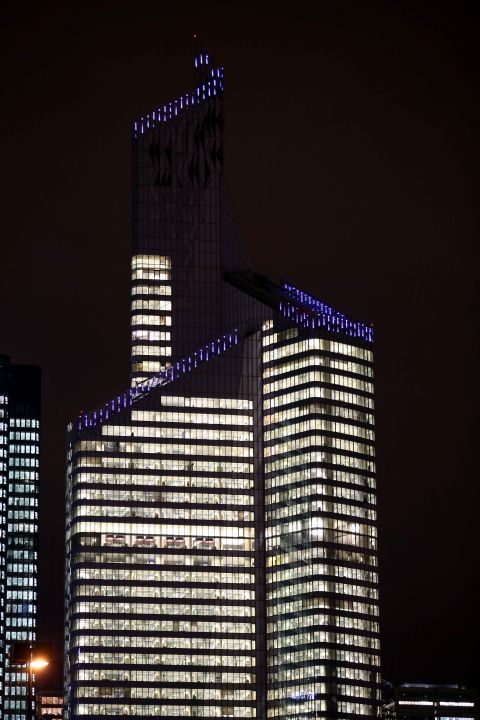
[(352, 163)]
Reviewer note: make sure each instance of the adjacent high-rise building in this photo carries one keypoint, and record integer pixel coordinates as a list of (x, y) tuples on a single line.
[(221, 513), (19, 489)]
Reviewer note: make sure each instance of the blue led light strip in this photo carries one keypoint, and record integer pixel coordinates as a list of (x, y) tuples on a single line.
[(323, 316), (142, 390), (210, 88)]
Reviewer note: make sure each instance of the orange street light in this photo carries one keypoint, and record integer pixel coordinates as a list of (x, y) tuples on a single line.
[(32, 656)]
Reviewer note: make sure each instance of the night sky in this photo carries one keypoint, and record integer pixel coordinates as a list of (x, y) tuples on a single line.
[(352, 158)]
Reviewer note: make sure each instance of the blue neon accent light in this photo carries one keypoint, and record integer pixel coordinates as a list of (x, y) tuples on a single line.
[(320, 315), (211, 87), (170, 374)]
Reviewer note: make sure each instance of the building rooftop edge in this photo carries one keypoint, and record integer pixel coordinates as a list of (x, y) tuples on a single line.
[(209, 84)]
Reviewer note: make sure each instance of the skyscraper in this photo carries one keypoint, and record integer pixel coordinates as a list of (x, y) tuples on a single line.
[(19, 488), (221, 521)]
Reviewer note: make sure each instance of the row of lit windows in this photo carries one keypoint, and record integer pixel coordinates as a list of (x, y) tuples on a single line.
[(154, 610), (309, 441), (20, 584), (166, 496), (24, 475), (312, 425), (19, 690), (328, 475), (353, 708), (340, 555), (143, 274), (153, 588), (168, 626), (333, 637), (316, 603), (291, 573), (327, 362), (186, 591), (22, 500), (316, 377), (120, 554), (193, 433), (302, 459), (149, 463), (20, 622), (296, 694), (151, 261), (156, 289), (316, 671), (283, 542), (23, 594), (156, 625), (28, 555), (242, 662), (318, 527), (151, 448), (22, 515), (25, 436), (23, 462), (324, 620), (155, 320), (203, 677), (27, 528), (106, 478), (315, 391), (226, 403), (148, 366), (164, 513), (197, 695), (24, 423), (316, 491), (25, 568), (180, 711), (194, 642), (150, 335), (201, 536), (163, 305), (150, 351), (308, 506), (132, 574), (324, 653), (320, 586), (331, 346)]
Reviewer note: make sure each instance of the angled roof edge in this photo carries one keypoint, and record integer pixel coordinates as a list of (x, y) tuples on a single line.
[(298, 306), (128, 398), (210, 84)]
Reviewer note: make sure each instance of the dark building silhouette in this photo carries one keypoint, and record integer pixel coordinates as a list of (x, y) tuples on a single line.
[(221, 512), (19, 488), (425, 701)]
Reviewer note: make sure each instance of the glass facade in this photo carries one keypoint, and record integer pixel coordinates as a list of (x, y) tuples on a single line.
[(221, 527), (19, 478), (321, 569)]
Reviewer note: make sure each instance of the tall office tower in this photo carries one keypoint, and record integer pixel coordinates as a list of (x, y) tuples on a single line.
[(19, 488), (221, 529)]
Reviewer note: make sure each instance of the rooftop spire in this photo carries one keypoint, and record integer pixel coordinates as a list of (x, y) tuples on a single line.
[(201, 61)]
